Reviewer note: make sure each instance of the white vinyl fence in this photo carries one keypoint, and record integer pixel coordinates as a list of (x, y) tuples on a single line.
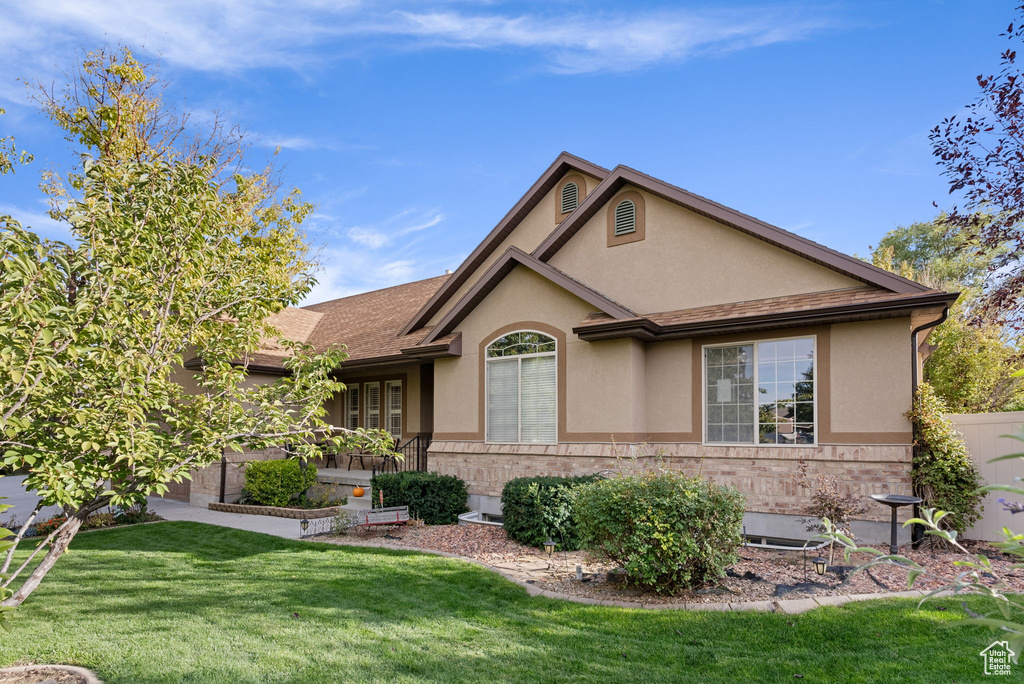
[(983, 433)]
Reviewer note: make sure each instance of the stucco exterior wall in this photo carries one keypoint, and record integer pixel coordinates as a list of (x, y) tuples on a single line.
[(669, 379), (696, 262), (871, 377), (530, 232)]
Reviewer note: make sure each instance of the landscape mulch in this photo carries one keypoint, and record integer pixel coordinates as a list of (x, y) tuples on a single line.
[(42, 674), (760, 574)]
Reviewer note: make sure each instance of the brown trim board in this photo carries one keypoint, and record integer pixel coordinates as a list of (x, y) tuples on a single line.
[(623, 175), (511, 258), (564, 163)]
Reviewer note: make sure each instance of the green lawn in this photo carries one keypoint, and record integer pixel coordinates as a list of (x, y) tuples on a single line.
[(185, 602)]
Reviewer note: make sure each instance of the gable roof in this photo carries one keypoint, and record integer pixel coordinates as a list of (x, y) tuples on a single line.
[(559, 168), (370, 324), (512, 257), (801, 246)]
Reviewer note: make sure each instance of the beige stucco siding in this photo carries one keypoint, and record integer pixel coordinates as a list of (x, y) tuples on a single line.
[(530, 232), (410, 376), (522, 297), (687, 260), (605, 387), (668, 395), (870, 369)]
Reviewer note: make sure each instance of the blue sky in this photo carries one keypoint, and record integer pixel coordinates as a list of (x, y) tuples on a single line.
[(414, 126)]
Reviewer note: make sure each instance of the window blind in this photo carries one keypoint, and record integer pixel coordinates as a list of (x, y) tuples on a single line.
[(372, 408), (393, 407), (503, 400), (352, 406), (538, 409)]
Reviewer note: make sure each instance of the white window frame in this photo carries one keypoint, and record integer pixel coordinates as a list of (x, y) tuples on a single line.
[(519, 404), (352, 390), (704, 392), (386, 408), (366, 406)]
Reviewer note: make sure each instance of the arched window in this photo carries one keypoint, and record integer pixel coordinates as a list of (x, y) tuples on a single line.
[(625, 217), (521, 389), (570, 197)]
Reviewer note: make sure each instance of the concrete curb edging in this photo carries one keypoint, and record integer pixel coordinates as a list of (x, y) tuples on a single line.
[(90, 677), (787, 606)]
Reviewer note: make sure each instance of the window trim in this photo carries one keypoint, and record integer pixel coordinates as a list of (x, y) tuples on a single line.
[(353, 390), (704, 391), (386, 409), (581, 194), (519, 405), (639, 231)]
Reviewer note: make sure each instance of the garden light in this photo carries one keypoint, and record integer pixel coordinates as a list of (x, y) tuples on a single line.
[(304, 524), (549, 548), (820, 565)]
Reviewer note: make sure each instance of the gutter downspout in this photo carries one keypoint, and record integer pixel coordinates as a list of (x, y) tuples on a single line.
[(917, 533)]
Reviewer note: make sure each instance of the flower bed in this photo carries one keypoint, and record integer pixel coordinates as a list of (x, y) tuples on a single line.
[(276, 511), (759, 575)]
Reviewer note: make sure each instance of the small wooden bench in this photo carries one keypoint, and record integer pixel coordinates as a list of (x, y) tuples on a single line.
[(395, 515)]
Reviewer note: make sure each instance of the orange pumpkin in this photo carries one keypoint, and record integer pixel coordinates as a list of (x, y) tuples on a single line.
[(357, 492)]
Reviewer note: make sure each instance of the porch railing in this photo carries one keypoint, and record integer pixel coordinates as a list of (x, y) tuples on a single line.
[(414, 456)]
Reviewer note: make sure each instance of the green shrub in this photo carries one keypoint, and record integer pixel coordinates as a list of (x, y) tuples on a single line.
[(667, 530), (434, 499), (536, 509), (277, 483), (943, 473)]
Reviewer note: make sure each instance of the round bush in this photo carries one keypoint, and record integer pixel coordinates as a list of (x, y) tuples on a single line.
[(434, 499), (536, 509), (278, 482), (667, 531)]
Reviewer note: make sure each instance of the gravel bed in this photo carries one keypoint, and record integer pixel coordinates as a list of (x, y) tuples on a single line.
[(760, 574)]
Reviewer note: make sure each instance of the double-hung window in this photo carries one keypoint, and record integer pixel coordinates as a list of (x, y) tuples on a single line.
[(521, 389), (760, 392)]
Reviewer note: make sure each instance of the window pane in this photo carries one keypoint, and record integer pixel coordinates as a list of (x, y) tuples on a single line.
[(503, 400), (785, 391), (372, 405), (539, 412), (518, 343), (729, 395)]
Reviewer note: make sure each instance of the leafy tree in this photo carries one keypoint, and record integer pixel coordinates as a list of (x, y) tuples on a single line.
[(172, 254), (982, 156), (967, 370)]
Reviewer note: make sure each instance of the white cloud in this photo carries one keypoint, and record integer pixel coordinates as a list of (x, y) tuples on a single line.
[(39, 221), (384, 233), (228, 36)]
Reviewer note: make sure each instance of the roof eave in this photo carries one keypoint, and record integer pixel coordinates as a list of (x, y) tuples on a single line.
[(792, 319), (623, 175), (561, 166)]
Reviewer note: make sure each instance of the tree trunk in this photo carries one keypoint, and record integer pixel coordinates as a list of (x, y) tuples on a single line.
[(57, 548)]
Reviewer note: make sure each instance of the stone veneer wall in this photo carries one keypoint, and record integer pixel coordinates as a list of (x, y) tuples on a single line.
[(206, 481), (764, 474)]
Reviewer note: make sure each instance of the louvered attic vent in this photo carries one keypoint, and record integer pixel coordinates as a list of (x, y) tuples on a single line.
[(625, 217), (570, 197)]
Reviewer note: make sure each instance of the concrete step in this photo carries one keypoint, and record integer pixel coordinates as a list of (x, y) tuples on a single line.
[(360, 503), (344, 477)]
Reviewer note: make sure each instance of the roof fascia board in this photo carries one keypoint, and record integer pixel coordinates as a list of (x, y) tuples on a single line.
[(511, 258), (561, 166), (897, 307), (623, 175)]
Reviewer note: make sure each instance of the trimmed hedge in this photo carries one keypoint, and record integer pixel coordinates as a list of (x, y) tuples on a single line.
[(536, 509), (434, 499), (278, 482), (667, 530)]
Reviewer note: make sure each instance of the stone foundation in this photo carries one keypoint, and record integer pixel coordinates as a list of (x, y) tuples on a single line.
[(765, 475)]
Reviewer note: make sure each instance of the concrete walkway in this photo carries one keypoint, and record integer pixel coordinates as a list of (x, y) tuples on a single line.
[(12, 487), (176, 510)]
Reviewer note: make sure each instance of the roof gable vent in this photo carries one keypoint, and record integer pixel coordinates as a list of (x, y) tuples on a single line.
[(625, 217), (570, 197)]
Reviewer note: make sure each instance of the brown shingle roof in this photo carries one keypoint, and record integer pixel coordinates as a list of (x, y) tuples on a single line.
[(791, 310), (369, 324), (775, 305)]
